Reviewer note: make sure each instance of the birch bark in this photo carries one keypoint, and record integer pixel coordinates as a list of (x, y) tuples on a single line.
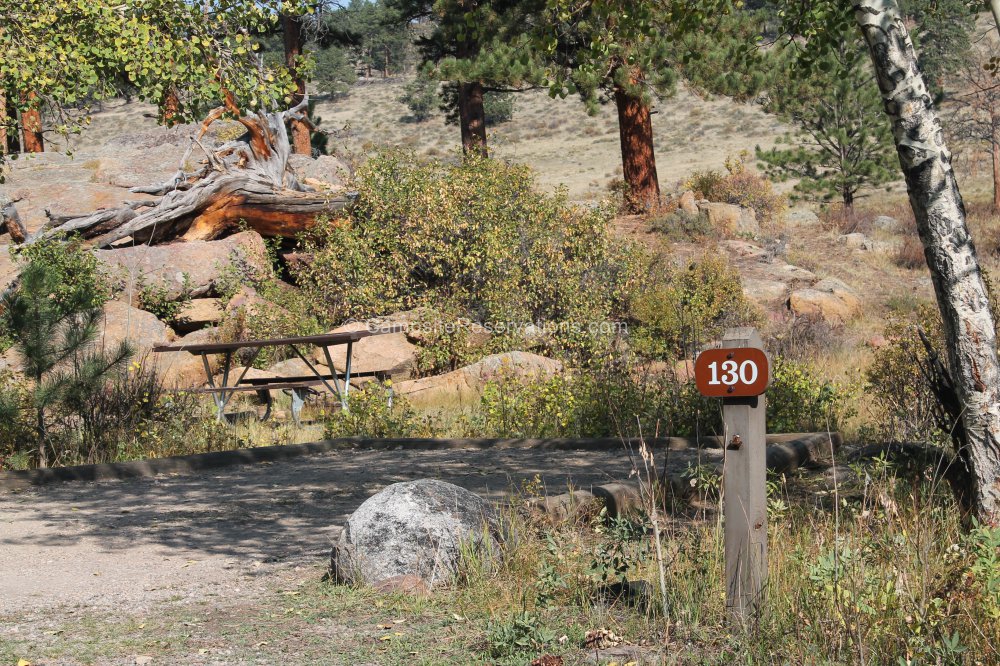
[(940, 215)]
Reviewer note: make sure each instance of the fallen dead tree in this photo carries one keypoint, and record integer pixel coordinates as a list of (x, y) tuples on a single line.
[(245, 182)]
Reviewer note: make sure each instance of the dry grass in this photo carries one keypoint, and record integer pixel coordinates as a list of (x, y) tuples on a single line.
[(564, 145)]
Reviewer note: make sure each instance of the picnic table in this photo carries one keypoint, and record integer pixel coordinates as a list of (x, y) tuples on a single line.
[(337, 383)]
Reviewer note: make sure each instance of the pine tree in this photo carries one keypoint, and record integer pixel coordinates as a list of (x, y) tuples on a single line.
[(843, 143), (54, 319)]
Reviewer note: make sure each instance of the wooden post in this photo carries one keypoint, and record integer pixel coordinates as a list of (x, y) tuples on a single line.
[(745, 493)]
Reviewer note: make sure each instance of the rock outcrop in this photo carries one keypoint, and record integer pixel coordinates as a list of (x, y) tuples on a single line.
[(464, 387), (391, 352), (829, 298), (193, 267)]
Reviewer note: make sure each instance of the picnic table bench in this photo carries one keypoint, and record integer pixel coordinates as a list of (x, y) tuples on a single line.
[(298, 386)]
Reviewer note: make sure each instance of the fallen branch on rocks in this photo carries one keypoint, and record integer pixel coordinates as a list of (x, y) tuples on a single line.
[(246, 182)]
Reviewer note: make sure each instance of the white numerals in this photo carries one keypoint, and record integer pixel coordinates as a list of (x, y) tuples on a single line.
[(733, 373)]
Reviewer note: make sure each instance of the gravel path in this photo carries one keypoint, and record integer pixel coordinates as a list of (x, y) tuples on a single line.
[(130, 544)]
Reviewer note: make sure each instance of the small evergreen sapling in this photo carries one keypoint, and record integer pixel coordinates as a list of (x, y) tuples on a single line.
[(55, 330)]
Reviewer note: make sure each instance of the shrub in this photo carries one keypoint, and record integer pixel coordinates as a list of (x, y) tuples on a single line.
[(53, 318), (274, 309), (498, 107), (619, 398), (799, 400), (679, 225), (370, 415), (906, 407), (421, 97), (476, 235), (73, 270), (702, 183), (679, 310), (910, 254), (155, 298), (802, 337), (741, 187)]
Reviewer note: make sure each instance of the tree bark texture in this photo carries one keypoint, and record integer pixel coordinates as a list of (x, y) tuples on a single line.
[(940, 214), (246, 181), (31, 129), (635, 128), (294, 44), (472, 116)]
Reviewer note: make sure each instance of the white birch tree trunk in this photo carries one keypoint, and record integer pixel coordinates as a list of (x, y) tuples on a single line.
[(940, 215)]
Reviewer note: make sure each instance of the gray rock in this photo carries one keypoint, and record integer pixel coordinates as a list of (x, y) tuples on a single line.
[(765, 291), (414, 529), (881, 247), (165, 266), (745, 249), (801, 218), (731, 220), (321, 171), (854, 241)]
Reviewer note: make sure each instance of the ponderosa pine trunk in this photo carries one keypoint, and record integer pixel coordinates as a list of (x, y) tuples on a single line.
[(635, 129), (471, 111), (31, 129), (472, 117), (294, 43), (970, 332)]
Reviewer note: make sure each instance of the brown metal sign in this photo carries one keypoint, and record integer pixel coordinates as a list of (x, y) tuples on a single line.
[(738, 372)]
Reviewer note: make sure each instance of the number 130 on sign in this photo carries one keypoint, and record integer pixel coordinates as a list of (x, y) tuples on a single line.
[(732, 373)]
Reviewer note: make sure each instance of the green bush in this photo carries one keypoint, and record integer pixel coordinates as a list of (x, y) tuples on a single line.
[(798, 400), (421, 97), (475, 235), (370, 415), (273, 310), (498, 107), (620, 399), (679, 310), (155, 298), (680, 225), (73, 269), (53, 319)]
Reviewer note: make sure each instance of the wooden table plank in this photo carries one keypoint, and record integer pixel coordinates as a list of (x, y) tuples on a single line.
[(324, 340)]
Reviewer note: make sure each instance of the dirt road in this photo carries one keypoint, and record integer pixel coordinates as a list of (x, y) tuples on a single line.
[(130, 544)]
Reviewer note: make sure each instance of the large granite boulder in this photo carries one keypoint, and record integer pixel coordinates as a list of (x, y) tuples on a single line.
[(141, 328), (830, 299), (411, 536), (730, 219), (464, 387), (199, 313), (323, 172), (165, 266), (391, 352), (183, 370)]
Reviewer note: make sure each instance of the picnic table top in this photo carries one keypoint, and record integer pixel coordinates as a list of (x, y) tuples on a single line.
[(324, 340)]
